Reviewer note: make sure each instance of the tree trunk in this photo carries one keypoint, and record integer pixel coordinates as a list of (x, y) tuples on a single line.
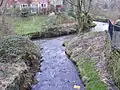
[(3, 27), (78, 15)]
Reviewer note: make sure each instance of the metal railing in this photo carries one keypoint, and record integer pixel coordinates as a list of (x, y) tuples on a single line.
[(114, 31)]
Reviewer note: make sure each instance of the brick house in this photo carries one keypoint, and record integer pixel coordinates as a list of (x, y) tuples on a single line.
[(36, 5), (58, 4), (18, 3), (39, 5)]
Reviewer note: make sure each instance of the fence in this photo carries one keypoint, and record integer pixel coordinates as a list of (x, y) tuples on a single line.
[(114, 31)]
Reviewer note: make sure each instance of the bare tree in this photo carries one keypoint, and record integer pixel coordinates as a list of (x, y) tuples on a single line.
[(82, 13), (1, 3), (3, 7)]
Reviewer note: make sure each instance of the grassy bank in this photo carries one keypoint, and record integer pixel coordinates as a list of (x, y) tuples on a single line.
[(89, 75), (44, 26), (114, 67), (87, 51), (28, 25), (19, 62)]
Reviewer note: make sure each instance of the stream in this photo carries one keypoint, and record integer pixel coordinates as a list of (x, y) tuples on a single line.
[(57, 71)]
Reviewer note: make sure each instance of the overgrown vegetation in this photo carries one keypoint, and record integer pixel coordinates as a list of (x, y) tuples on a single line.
[(114, 67), (16, 48), (25, 12), (59, 19), (34, 25), (88, 53), (89, 75), (81, 13)]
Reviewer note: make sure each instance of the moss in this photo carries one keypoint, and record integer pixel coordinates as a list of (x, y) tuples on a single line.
[(114, 67), (100, 19), (86, 66), (92, 25)]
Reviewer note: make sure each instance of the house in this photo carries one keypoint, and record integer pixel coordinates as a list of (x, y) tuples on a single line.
[(39, 5), (36, 6), (19, 3), (58, 4)]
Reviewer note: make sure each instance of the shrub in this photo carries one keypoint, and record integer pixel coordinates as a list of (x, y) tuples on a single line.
[(16, 11), (72, 14), (61, 18), (14, 47), (25, 12)]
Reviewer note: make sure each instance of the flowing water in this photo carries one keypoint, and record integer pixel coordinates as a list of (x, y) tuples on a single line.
[(100, 26), (57, 71)]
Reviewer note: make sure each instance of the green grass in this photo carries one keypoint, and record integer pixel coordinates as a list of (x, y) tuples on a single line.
[(24, 26), (114, 67), (87, 68)]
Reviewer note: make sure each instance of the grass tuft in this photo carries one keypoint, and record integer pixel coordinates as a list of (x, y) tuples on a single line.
[(92, 81)]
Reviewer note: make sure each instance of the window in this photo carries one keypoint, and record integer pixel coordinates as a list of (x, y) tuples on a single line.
[(42, 5), (24, 5)]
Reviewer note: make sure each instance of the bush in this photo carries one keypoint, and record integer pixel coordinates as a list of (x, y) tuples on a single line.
[(72, 14), (25, 12), (61, 18), (16, 11), (13, 48)]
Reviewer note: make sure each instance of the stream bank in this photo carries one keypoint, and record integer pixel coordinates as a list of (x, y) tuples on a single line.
[(91, 53), (19, 61)]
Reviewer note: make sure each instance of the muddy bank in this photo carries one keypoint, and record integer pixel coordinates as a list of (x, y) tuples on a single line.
[(19, 61), (55, 31), (92, 50), (100, 19), (57, 71)]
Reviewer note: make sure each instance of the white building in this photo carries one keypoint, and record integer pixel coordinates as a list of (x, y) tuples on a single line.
[(56, 2)]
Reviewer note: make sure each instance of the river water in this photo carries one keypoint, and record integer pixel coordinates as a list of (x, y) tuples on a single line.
[(57, 71), (100, 26)]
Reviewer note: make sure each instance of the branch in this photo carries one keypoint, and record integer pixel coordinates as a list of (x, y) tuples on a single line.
[(4, 8), (89, 5), (1, 3), (72, 3)]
